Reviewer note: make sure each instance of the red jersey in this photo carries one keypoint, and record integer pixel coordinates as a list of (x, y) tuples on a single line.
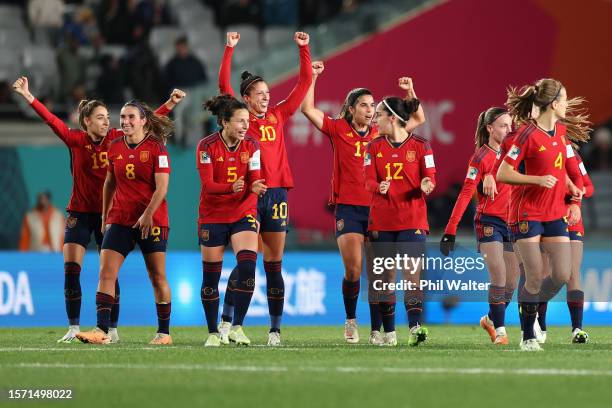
[(403, 207), (268, 130), (348, 179), (589, 189), (543, 154), (515, 191), (88, 159), (219, 168), (134, 170), (482, 163)]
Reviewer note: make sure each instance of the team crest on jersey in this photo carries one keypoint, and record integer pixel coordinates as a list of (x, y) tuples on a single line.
[(487, 231), (272, 119), (71, 222), (204, 235), (410, 156), (144, 156), (340, 225), (244, 157), (523, 227)]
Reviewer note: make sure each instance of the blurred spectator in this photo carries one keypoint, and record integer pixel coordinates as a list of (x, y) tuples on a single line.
[(77, 94), (599, 157), (43, 227), (72, 67), (186, 72), (110, 83), (46, 19), (238, 12), (82, 26), (114, 21), (313, 12), (142, 71)]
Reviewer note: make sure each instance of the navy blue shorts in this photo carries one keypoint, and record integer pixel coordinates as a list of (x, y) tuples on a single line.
[(273, 211), (413, 238), (218, 234), (122, 239), (492, 229), (576, 236), (528, 229), (80, 226), (352, 218)]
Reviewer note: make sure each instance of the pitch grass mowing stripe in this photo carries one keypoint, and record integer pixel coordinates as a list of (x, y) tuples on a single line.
[(319, 369)]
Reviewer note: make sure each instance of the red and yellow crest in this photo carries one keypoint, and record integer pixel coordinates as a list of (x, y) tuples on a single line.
[(71, 222), (523, 227), (204, 234), (144, 156), (272, 119), (410, 156), (339, 225), (487, 231), (244, 157)]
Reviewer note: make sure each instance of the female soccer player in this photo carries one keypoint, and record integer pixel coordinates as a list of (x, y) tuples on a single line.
[(349, 133), (400, 172), (229, 165), (490, 222), (136, 183), (266, 126), (541, 143), (89, 161)]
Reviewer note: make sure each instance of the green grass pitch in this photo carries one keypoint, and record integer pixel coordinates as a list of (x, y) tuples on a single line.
[(456, 367)]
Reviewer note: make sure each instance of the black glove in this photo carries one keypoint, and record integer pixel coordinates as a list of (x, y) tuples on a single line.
[(447, 244)]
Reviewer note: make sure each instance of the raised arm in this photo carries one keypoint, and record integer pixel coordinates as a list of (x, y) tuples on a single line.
[(21, 87), (176, 96), (297, 94), (418, 117), (225, 70), (308, 108)]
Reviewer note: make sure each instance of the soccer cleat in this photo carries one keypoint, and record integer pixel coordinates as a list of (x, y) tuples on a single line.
[(351, 335), (274, 339), (376, 339), (501, 339), (213, 340), (390, 339), (579, 336), (113, 334), (224, 329), (161, 339), (540, 335), (236, 335), (70, 336), (95, 336), (487, 325), (418, 334), (530, 345)]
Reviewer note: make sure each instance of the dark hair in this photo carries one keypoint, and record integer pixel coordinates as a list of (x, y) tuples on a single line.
[(86, 108), (181, 40), (485, 119), (538, 97), (350, 101), (401, 108), (157, 127), (248, 80), (223, 107)]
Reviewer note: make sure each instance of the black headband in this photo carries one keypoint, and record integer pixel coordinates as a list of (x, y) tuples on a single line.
[(496, 116), (136, 105), (254, 79)]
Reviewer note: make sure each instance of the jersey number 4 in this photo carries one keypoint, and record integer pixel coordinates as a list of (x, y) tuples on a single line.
[(559, 161)]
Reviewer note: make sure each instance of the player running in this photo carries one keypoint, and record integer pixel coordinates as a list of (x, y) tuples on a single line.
[(542, 216), (89, 161), (136, 183), (229, 165), (400, 172), (490, 222), (266, 126), (349, 134)]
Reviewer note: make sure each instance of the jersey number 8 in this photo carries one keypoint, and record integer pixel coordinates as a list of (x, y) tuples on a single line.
[(130, 174)]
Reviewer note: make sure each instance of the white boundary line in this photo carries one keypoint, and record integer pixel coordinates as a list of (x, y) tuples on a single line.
[(554, 372)]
